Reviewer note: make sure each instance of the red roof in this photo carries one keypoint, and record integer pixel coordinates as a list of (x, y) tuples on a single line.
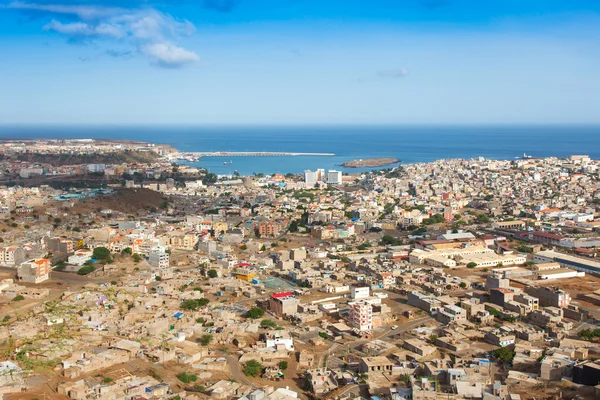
[(281, 295)]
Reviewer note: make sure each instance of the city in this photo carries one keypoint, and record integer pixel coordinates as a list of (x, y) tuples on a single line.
[(456, 279)]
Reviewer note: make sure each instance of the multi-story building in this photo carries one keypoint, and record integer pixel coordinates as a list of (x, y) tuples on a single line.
[(310, 177), (549, 297), (361, 315), (159, 260), (34, 271), (360, 292), (334, 177), (282, 304)]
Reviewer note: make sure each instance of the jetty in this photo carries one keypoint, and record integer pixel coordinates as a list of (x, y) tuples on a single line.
[(198, 155)]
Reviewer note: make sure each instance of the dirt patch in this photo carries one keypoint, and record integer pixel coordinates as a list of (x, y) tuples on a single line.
[(127, 201)]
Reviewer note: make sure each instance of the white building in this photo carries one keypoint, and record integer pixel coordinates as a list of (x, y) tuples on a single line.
[(80, 257), (360, 292), (310, 177), (334, 177), (280, 338), (361, 316)]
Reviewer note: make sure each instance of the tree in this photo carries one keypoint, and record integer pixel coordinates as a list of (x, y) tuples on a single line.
[(206, 339), (294, 226), (282, 365), (324, 335), (212, 273), (462, 285), (18, 298), (268, 324), (88, 269), (253, 368), (504, 354), (127, 251), (255, 313), (471, 265), (158, 278), (101, 253), (187, 378), (137, 258), (193, 304), (243, 247)]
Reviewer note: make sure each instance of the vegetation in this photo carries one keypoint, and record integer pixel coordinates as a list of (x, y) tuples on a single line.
[(255, 313), (18, 298), (268, 324), (86, 270), (324, 335), (390, 241), (206, 339), (589, 334), (253, 368), (471, 265), (212, 273), (504, 354), (137, 258), (194, 304), (187, 378), (282, 365), (101, 253)]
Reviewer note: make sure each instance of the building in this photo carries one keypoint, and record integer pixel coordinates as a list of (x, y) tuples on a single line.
[(360, 292), (310, 177), (567, 261), (375, 364), (361, 316), (34, 271), (277, 338), (334, 177), (80, 257), (158, 260), (549, 297), (282, 304)]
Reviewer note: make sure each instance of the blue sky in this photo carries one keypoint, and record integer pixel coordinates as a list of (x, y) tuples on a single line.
[(300, 62)]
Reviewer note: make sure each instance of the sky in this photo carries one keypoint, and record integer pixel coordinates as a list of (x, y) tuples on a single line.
[(300, 62)]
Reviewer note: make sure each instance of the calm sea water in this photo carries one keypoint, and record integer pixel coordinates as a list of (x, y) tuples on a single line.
[(409, 144)]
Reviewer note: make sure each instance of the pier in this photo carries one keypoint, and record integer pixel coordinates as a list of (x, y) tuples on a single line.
[(247, 154)]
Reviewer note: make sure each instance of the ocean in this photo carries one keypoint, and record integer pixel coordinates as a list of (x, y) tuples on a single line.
[(408, 143)]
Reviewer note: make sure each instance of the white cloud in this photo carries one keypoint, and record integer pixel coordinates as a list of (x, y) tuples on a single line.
[(169, 55), (84, 29), (150, 31), (85, 12)]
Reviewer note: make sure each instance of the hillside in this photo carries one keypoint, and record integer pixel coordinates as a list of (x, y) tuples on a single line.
[(124, 200), (126, 156)]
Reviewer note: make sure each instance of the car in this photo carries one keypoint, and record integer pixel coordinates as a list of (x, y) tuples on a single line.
[(394, 327)]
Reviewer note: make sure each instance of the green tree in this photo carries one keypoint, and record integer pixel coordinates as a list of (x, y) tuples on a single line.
[(255, 313), (268, 324), (127, 251), (193, 304), (206, 339), (18, 298), (253, 368), (294, 226), (101, 253), (282, 365), (137, 258), (212, 273), (88, 269), (462, 285), (504, 354), (471, 265), (187, 378)]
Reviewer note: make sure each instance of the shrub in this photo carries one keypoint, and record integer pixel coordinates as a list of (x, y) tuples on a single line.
[(255, 313), (253, 368), (194, 304), (282, 365), (88, 269), (267, 323), (212, 273), (206, 339), (18, 298), (187, 378)]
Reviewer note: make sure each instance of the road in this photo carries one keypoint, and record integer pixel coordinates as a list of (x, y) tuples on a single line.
[(236, 371)]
